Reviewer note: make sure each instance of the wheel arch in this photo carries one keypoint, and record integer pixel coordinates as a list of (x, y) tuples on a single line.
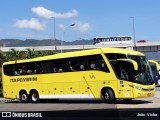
[(23, 96), (34, 96), (23, 90), (33, 90), (106, 88)]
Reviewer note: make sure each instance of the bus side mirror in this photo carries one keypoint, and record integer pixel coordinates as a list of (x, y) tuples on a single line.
[(129, 62)]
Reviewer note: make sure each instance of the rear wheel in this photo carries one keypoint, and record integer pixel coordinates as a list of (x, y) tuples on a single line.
[(23, 97), (34, 97), (108, 96)]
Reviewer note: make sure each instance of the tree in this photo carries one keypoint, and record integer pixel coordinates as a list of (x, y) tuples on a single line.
[(2, 57), (31, 53), (13, 54), (51, 52)]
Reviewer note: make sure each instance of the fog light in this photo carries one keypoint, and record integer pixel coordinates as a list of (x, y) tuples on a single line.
[(139, 94)]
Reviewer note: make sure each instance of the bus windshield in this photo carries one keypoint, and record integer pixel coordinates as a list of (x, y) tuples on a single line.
[(144, 75)]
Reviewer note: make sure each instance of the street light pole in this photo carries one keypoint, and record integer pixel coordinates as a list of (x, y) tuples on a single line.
[(133, 31), (72, 24), (54, 31), (83, 42)]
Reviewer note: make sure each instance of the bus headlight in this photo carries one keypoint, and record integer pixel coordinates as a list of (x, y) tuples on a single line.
[(137, 87)]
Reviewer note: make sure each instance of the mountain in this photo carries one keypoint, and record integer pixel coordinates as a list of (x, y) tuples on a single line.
[(46, 42)]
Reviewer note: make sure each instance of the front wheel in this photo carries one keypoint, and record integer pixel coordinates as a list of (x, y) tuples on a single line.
[(108, 96), (34, 97)]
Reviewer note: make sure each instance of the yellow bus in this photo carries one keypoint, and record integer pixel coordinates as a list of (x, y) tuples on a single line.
[(156, 63), (107, 73), (155, 67)]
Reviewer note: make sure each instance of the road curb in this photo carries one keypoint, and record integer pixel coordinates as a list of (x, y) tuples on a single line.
[(6, 100)]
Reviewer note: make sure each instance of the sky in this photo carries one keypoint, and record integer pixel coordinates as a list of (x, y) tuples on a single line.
[(49, 19)]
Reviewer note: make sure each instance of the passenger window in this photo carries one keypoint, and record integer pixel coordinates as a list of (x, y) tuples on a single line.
[(78, 64), (115, 56), (38, 68), (96, 62), (61, 65), (9, 70)]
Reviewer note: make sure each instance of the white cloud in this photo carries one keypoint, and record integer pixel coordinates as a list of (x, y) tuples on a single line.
[(82, 27), (61, 26), (79, 26), (43, 12), (32, 24)]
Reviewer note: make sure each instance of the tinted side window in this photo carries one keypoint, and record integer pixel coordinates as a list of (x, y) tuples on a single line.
[(52, 66), (19, 69), (8, 70), (96, 62), (44, 66), (91, 62), (61, 65), (115, 56), (78, 63)]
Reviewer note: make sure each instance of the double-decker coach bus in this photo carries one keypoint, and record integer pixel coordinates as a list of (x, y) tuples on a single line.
[(107, 73), (112, 40)]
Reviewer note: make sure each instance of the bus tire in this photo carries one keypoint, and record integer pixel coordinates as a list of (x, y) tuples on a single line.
[(127, 100), (23, 97), (34, 96), (108, 96)]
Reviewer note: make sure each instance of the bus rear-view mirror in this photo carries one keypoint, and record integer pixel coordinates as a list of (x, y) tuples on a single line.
[(131, 63)]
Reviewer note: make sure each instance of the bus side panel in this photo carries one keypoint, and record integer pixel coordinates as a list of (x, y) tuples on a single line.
[(8, 87), (112, 84), (105, 80), (43, 90), (52, 89), (7, 91), (125, 89), (71, 90)]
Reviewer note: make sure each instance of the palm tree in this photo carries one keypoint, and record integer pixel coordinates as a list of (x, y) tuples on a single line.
[(13, 54), (32, 53), (51, 52), (2, 57)]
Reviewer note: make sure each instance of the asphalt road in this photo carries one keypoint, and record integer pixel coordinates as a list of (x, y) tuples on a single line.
[(85, 107), (80, 104)]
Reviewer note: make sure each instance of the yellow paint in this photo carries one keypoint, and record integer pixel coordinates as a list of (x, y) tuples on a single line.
[(80, 82), (155, 62)]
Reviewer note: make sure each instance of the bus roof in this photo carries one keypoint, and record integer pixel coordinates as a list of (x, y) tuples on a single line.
[(78, 53)]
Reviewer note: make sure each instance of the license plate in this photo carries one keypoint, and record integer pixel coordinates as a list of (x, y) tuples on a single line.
[(149, 94)]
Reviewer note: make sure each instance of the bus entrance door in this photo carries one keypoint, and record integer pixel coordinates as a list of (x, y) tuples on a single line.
[(126, 76)]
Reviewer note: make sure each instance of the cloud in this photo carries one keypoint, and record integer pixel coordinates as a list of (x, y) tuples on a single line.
[(43, 12), (32, 24), (82, 27), (79, 26), (61, 26)]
